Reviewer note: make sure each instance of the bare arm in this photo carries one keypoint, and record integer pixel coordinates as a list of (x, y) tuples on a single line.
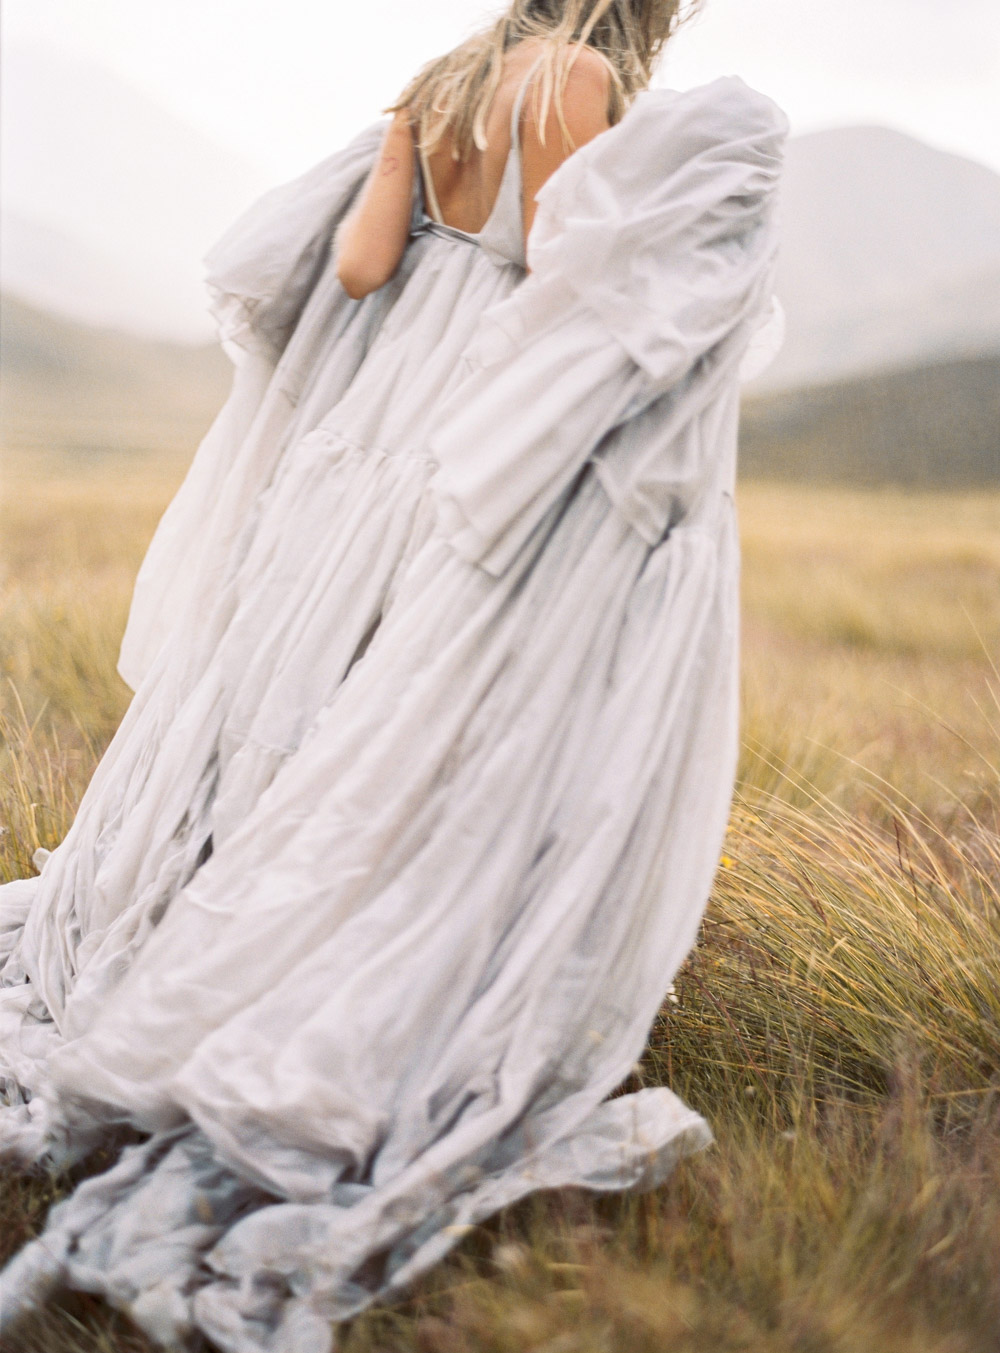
[(585, 112), (371, 241)]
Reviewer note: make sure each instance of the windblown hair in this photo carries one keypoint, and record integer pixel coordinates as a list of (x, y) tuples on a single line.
[(454, 92)]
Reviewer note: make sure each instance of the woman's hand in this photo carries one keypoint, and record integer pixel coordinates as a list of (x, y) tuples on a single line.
[(371, 240)]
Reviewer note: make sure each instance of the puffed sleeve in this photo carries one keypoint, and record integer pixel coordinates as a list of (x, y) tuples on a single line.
[(260, 273), (260, 276), (652, 259)]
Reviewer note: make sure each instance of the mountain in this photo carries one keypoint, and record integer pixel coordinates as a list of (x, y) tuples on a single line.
[(72, 390), (66, 275), (931, 426), (890, 255), (109, 202), (66, 387)]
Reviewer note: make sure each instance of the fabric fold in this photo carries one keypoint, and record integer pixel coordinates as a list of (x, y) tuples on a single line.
[(263, 276), (654, 246), (373, 899), (261, 272)]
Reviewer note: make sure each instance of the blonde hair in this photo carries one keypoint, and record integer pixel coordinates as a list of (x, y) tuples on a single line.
[(454, 92)]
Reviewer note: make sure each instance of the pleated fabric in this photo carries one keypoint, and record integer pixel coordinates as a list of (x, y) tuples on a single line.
[(373, 898)]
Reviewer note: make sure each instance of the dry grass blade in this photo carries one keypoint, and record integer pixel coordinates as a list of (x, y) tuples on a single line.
[(838, 1023)]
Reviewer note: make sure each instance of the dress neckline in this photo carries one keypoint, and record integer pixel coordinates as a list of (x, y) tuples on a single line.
[(511, 174)]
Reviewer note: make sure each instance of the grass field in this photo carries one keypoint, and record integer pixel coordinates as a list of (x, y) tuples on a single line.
[(839, 1022)]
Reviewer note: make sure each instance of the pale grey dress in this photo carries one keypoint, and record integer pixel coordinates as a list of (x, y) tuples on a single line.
[(374, 897)]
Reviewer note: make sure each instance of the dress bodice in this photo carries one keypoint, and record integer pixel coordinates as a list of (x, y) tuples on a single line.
[(502, 236)]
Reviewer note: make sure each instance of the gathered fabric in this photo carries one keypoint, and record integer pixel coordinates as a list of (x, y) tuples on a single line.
[(370, 904)]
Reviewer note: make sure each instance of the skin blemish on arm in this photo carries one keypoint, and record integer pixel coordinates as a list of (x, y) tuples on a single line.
[(371, 241)]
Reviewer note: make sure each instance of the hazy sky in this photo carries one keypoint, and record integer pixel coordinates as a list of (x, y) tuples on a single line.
[(285, 83)]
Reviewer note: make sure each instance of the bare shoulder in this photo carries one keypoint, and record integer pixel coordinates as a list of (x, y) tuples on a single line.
[(589, 72), (550, 134), (585, 94)]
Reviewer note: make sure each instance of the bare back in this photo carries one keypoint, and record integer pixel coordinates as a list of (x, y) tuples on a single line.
[(372, 240), (466, 192)]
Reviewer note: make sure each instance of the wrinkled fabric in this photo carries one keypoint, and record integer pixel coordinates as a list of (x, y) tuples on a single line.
[(371, 902), (265, 280), (647, 284)]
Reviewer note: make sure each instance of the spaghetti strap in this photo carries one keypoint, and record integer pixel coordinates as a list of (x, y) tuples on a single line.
[(501, 235), (515, 115), (430, 196)]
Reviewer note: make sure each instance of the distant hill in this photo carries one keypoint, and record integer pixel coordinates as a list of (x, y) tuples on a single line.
[(890, 255), (109, 202), (60, 273), (69, 387), (931, 426)]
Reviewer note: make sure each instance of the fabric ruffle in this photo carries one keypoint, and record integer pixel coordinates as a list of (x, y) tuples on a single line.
[(374, 897), (652, 262), (187, 1246), (261, 272)]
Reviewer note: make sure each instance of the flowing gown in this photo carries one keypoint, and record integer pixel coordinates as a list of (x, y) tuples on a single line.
[(374, 896)]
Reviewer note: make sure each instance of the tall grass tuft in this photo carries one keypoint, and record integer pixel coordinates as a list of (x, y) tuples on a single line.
[(834, 945), (838, 1023)]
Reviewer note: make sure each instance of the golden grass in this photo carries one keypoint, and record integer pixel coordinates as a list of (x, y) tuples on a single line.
[(839, 1022)]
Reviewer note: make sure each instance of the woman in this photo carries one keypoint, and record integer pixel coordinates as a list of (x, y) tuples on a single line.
[(373, 898)]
